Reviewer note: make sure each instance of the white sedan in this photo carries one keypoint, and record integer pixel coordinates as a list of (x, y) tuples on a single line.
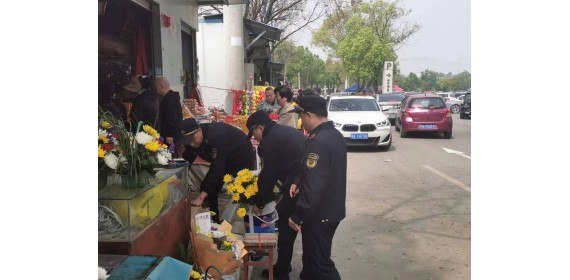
[(360, 121)]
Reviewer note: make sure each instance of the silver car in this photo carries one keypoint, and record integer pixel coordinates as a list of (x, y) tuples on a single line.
[(453, 105), (389, 103)]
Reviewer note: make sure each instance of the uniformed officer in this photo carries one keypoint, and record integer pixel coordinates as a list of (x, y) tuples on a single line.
[(226, 148), (321, 188), (282, 149)]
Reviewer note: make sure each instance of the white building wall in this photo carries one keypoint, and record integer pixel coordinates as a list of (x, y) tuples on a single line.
[(179, 11), (211, 54)]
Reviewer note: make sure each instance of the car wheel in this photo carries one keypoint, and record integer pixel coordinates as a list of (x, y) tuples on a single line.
[(455, 109), (403, 134), (396, 127), (447, 134)]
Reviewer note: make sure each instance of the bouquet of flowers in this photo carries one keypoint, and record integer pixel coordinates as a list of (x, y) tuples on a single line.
[(242, 189), (130, 155)]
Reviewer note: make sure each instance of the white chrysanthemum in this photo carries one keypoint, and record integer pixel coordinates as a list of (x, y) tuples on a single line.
[(122, 159), (102, 132), (161, 159), (143, 138), (166, 154), (111, 160), (102, 274)]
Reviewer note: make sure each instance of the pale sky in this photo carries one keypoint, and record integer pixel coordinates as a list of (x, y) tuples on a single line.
[(443, 44)]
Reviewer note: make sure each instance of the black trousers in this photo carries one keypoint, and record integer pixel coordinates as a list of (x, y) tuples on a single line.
[(285, 244), (317, 245)]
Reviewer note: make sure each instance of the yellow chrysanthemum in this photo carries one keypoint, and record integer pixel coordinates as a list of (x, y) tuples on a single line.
[(235, 197), (227, 178), (241, 212), (151, 131), (104, 138), (105, 125), (163, 146), (238, 181), (101, 152), (249, 192), (229, 191), (152, 146), (228, 244), (195, 275), (245, 172), (240, 189)]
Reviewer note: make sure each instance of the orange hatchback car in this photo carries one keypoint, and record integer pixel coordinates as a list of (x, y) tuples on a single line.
[(424, 112)]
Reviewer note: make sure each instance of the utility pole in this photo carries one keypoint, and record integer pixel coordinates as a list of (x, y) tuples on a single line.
[(299, 77)]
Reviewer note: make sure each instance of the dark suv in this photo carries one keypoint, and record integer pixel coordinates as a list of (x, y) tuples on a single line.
[(465, 109)]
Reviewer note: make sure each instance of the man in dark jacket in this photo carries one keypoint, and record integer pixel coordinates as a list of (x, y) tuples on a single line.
[(170, 110), (321, 189), (226, 148), (281, 149), (145, 106)]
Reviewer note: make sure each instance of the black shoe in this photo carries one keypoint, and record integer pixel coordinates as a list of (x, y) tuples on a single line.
[(276, 273), (276, 276)]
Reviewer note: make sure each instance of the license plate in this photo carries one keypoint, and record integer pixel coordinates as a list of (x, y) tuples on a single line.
[(359, 136), (428, 126), (391, 115)]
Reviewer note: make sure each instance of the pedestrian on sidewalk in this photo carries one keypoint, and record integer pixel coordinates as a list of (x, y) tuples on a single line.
[(281, 148), (284, 97), (226, 148), (321, 188)]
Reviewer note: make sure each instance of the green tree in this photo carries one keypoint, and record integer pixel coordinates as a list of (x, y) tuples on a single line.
[(364, 36), (306, 65), (414, 82)]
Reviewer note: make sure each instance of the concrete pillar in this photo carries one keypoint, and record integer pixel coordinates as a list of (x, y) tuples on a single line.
[(233, 33)]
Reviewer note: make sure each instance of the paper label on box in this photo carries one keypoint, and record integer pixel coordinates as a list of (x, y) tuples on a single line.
[(204, 223)]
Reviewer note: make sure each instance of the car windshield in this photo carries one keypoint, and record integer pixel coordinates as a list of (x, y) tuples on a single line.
[(390, 98), (427, 103), (353, 105)]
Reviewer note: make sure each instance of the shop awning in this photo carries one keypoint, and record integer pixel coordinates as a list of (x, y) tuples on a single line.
[(268, 32)]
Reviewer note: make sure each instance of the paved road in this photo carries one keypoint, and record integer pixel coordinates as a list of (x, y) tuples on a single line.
[(408, 211)]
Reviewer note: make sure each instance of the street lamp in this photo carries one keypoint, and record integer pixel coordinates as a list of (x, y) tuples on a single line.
[(299, 77)]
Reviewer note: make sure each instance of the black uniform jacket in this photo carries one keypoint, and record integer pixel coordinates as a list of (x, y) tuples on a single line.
[(170, 114), (226, 148), (322, 182), (145, 108), (281, 150)]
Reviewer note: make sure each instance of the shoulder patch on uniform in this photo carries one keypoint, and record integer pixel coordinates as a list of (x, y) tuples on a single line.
[(312, 159)]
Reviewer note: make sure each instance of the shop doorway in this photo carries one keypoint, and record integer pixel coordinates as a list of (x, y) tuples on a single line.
[(189, 64)]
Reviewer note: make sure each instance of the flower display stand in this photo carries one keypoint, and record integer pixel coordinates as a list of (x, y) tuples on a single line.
[(147, 220)]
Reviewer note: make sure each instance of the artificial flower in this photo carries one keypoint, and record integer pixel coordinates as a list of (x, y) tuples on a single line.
[(102, 132), (152, 146), (107, 147), (106, 125), (104, 138), (241, 212), (166, 154), (151, 131), (162, 160), (111, 160), (240, 189), (195, 275), (212, 213), (227, 178), (249, 192), (228, 244), (235, 197), (143, 138), (101, 152)]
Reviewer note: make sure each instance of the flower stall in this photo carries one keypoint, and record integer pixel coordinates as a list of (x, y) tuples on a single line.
[(143, 195)]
